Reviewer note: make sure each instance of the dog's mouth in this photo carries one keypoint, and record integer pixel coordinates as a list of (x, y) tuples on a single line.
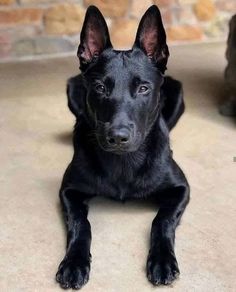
[(115, 150), (118, 151)]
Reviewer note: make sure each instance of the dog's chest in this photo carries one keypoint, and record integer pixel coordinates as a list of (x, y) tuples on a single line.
[(127, 184), (120, 178)]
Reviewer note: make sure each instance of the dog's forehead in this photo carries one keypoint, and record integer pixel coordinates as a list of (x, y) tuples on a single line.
[(125, 64)]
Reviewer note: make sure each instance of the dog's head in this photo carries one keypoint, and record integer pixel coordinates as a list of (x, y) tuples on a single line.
[(123, 87)]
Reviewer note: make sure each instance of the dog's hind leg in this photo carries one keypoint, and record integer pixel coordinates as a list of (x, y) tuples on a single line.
[(162, 266), (73, 271), (173, 101)]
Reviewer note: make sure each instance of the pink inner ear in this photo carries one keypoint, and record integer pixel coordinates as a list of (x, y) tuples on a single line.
[(149, 40), (93, 45)]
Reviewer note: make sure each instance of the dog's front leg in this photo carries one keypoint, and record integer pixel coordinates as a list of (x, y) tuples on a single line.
[(162, 266), (73, 271)]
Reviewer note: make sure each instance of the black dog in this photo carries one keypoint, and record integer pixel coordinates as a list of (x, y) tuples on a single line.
[(124, 107)]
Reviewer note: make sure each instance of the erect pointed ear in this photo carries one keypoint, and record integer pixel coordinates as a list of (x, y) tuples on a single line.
[(151, 37), (94, 37)]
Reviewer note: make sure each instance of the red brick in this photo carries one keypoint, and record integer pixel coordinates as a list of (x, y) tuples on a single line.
[(139, 7), (184, 33), (117, 8), (64, 18), (125, 35), (166, 17), (36, 1), (6, 2), (227, 5), (5, 44), (164, 3), (205, 9), (20, 16), (185, 15)]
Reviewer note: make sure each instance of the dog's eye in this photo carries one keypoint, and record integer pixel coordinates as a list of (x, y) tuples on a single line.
[(100, 88), (142, 89)]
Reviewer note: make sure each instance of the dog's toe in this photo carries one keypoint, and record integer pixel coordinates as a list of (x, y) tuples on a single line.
[(153, 272), (162, 271), (73, 273)]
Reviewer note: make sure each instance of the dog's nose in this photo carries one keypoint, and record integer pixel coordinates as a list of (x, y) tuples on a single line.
[(118, 137)]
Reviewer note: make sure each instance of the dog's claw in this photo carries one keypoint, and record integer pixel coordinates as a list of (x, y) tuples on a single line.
[(65, 286)]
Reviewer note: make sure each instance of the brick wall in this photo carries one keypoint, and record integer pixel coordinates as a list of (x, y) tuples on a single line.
[(30, 28)]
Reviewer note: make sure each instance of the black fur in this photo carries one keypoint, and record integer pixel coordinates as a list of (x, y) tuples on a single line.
[(124, 108), (172, 102)]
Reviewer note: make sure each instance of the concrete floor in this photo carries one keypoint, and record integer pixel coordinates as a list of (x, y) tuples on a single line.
[(36, 127)]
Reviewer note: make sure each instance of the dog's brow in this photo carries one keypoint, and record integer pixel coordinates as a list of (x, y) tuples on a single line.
[(96, 75)]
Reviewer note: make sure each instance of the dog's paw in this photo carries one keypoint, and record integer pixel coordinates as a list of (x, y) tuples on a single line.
[(162, 270), (73, 273)]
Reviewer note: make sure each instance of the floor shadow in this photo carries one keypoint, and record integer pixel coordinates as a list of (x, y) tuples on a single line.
[(207, 83), (61, 217), (65, 138), (103, 204), (204, 93)]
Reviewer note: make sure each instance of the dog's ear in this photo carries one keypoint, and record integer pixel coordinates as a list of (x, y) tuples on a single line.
[(94, 37), (76, 93), (151, 37)]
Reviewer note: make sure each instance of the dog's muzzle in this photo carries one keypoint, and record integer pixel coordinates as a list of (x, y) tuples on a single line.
[(118, 137)]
